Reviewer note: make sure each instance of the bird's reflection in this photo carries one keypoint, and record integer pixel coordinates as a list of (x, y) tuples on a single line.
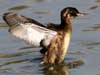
[(57, 69), (61, 69)]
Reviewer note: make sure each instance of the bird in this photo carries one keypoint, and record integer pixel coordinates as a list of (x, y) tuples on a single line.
[(54, 39)]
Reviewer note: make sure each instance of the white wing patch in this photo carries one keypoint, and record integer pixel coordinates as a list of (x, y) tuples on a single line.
[(33, 34)]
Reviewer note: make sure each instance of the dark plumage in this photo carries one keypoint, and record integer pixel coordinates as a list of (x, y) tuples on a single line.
[(57, 49), (54, 39)]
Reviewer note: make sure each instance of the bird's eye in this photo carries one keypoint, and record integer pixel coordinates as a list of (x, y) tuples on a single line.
[(72, 13)]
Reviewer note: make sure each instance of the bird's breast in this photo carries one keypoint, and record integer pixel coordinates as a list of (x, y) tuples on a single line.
[(66, 43)]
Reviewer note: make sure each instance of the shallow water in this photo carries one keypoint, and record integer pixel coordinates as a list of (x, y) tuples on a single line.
[(18, 58)]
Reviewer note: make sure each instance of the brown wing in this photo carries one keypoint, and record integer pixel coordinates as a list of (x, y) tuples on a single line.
[(52, 26), (12, 19)]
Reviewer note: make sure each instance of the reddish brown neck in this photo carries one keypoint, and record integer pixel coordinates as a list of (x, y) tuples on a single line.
[(66, 23)]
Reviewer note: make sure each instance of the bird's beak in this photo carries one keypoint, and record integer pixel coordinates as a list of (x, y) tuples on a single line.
[(81, 14)]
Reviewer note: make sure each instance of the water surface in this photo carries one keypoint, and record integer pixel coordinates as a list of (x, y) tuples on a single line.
[(19, 58)]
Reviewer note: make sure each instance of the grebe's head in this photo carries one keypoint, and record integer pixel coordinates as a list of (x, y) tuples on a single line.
[(70, 12)]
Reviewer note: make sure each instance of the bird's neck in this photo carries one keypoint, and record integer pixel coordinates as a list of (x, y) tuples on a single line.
[(66, 25)]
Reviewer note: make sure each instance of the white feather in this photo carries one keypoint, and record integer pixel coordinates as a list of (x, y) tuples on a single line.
[(33, 34)]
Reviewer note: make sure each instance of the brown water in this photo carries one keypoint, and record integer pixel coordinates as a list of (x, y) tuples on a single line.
[(83, 58)]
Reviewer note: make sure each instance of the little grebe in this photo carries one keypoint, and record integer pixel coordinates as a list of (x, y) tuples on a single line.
[(57, 49), (54, 38)]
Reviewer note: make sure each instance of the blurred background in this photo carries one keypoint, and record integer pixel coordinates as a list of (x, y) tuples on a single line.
[(17, 58)]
